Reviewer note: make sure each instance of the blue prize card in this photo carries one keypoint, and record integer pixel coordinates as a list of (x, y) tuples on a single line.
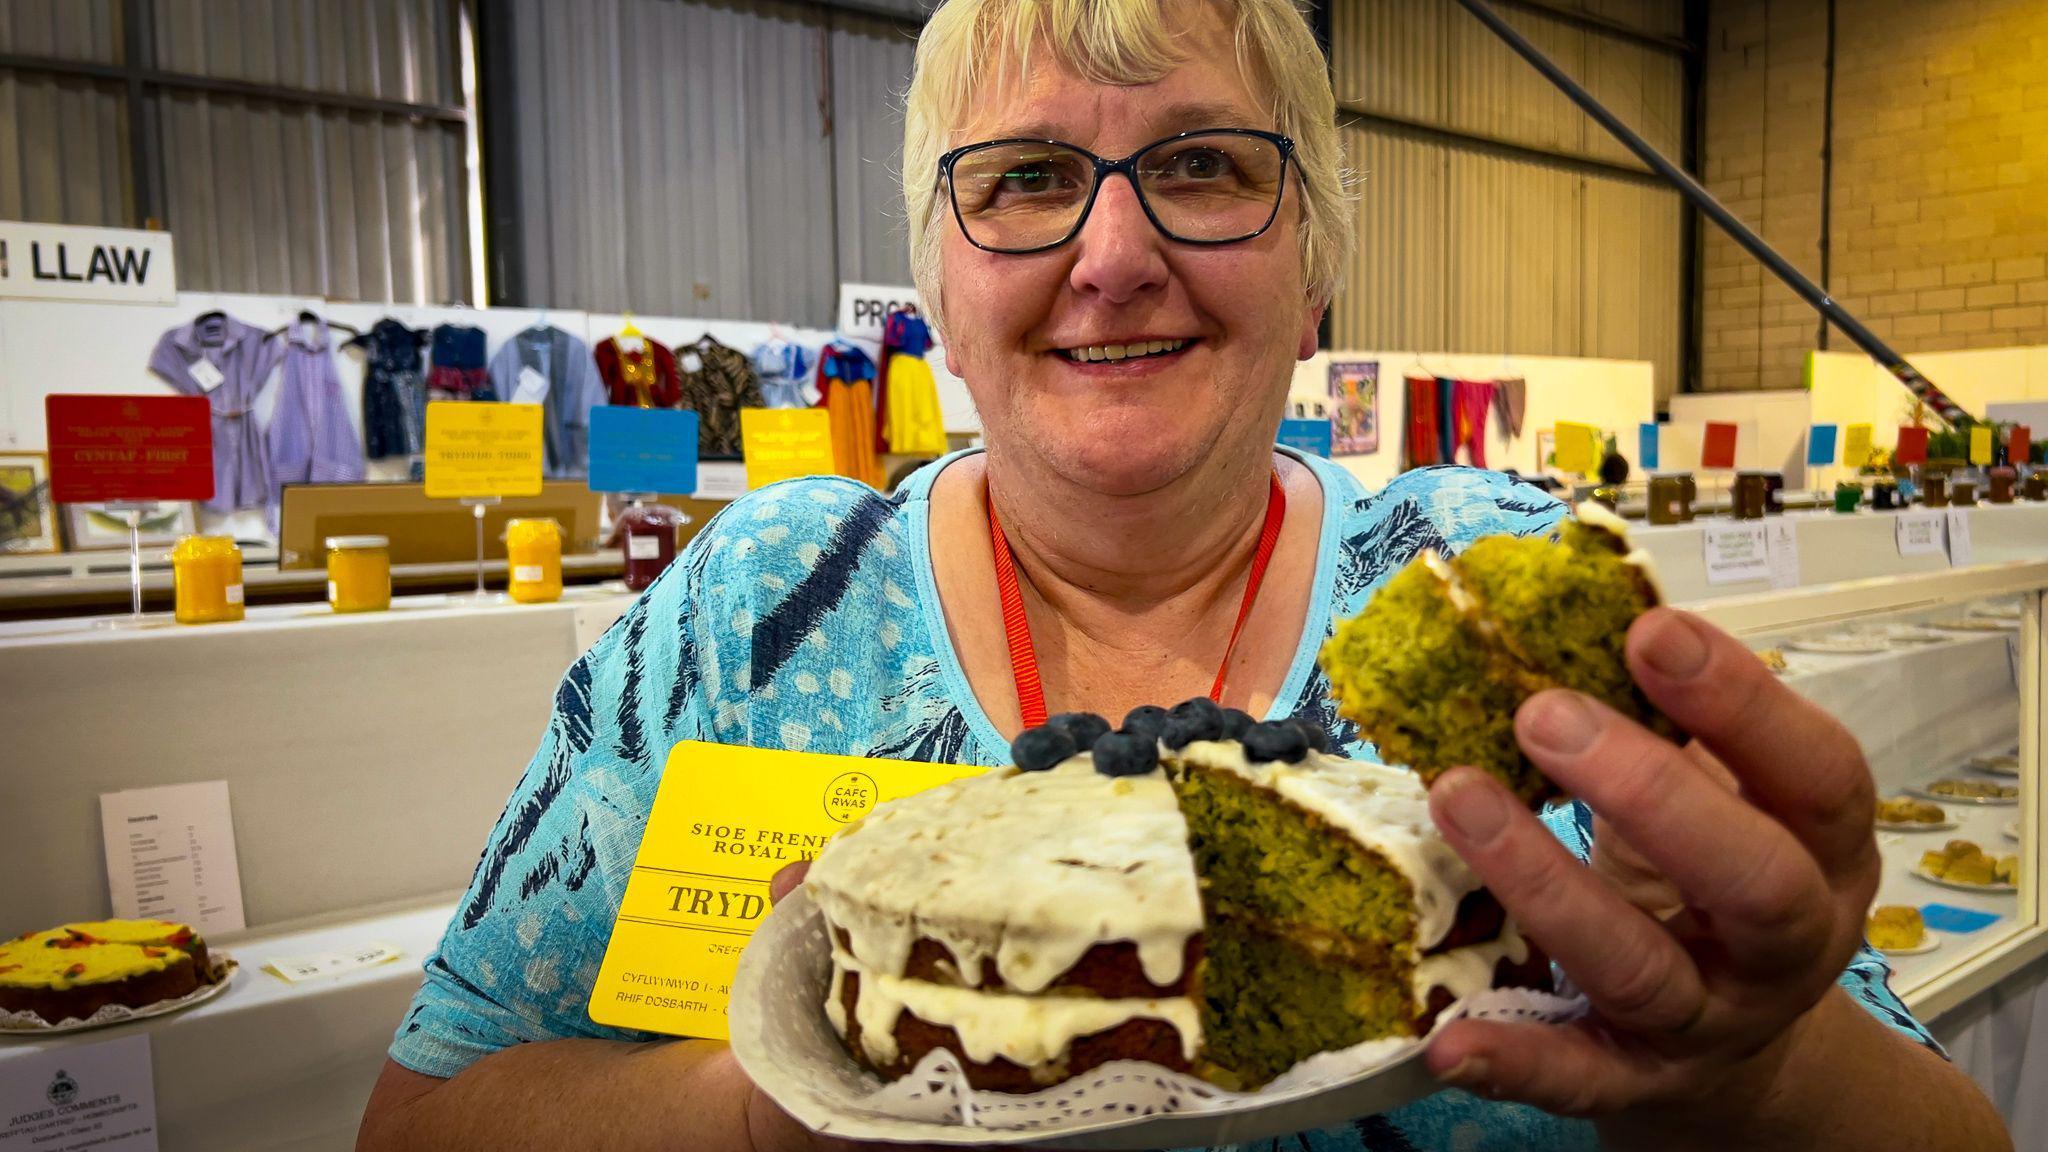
[(1310, 436), (1949, 918), (1820, 444), (643, 450), (1648, 446)]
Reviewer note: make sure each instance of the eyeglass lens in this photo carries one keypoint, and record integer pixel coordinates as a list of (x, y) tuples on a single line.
[(1209, 187)]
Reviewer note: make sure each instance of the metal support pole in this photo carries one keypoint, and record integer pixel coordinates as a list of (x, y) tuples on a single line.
[(1714, 210)]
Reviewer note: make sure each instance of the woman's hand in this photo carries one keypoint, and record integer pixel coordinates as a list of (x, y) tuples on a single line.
[(1728, 892)]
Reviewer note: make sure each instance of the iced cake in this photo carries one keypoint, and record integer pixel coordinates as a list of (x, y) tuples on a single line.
[(1194, 890), (74, 970)]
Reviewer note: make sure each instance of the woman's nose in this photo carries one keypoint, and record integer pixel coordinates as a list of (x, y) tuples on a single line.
[(1119, 254)]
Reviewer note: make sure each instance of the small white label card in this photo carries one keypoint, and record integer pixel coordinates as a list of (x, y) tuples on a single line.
[(205, 375), (171, 855), (720, 480), (532, 387), (1959, 536), (74, 1097), (1919, 534), (1736, 551), (1781, 541), (299, 969)]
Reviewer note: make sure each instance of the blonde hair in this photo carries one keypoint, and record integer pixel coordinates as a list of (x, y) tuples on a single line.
[(1120, 42)]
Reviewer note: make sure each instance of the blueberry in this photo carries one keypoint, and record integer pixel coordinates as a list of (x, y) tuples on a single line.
[(1180, 731), (1202, 718), (1041, 748), (1085, 727), (1150, 718), (1311, 731), (1236, 723), (1126, 754), (1275, 740)]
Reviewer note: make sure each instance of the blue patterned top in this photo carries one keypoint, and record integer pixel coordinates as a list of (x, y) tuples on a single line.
[(806, 617)]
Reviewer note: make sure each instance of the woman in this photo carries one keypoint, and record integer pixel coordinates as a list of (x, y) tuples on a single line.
[(1130, 355)]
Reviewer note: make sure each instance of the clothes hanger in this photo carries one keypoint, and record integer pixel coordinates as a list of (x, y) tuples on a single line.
[(630, 332)]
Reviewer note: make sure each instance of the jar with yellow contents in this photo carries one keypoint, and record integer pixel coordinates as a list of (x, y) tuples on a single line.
[(206, 576), (359, 573), (533, 551)]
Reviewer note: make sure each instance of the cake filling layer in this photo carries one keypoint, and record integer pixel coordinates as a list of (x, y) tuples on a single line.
[(1025, 1030)]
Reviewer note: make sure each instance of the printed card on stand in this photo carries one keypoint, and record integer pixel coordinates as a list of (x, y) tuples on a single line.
[(725, 820), (1919, 534), (68, 1098), (1738, 551), (1959, 552), (1781, 545), (171, 855)]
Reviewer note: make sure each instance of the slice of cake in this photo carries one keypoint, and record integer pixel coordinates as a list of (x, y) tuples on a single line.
[(1434, 668), (1221, 906), (72, 971), (1896, 928)]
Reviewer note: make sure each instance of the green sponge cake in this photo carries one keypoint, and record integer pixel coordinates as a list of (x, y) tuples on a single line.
[(1194, 890), (1434, 668)]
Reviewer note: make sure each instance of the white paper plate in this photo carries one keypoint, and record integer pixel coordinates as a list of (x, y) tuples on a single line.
[(1945, 825), (1996, 611), (1841, 644), (1976, 624), (1982, 801), (782, 1040), (1927, 945), (1915, 634), (1959, 886), (2002, 765), (28, 1026), (2011, 831)]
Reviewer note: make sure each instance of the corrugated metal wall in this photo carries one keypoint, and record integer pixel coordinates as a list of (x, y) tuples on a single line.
[(1470, 248), (263, 195), (735, 196)]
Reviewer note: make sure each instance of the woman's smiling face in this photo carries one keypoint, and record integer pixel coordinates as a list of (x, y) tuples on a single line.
[(1019, 327)]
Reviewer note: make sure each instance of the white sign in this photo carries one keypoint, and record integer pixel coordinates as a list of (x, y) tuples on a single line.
[(721, 480), (74, 1097), (863, 308), (1919, 534), (1736, 552), (299, 969), (68, 262), (1781, 541), (171, 855), (1959, 552)]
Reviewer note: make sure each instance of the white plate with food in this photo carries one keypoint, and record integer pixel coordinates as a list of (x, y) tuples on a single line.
[(2003, 610), (1931, 941), (1960, 885), (1842, 644), (1911, 826), (1914, 634), (1928, 792), (29, 1026), (2003, 764), (1975, 624)]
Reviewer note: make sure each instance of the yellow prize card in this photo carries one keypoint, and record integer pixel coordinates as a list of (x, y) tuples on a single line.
[(725, 820), (1578, 448), (784, 443), (483, 449), (1980, 444), (1856, 446)]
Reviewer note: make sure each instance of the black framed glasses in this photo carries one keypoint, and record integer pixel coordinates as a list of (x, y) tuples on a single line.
[(1216, 186)]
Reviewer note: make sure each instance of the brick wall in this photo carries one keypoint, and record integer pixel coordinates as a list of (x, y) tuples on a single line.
[(1939, 216)]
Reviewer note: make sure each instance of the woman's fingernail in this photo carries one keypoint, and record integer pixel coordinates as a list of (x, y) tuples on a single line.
[(1562, 723), (1676, 649), (1474, 810), (1469, 1072)]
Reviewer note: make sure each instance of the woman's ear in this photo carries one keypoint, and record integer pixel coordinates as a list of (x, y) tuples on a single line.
[(1311, 328)]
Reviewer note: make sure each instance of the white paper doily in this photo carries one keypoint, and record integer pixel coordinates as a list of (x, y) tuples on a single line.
[(29, 1026), (781, 1037)]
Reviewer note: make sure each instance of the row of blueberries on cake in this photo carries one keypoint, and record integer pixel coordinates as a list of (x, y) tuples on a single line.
[(1133, 749)]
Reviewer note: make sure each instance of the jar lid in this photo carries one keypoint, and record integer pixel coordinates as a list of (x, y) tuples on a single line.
[(1679, 474), (344, 542)]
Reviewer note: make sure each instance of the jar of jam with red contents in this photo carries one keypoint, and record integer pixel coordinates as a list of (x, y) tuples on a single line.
[(647, 535)]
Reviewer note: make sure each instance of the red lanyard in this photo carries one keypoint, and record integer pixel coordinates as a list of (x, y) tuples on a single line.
[(1024, 659)]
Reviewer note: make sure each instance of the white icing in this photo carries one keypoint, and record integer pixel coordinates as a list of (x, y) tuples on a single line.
[(1030, 869), (1384, 809), (1027, 1030), (1467, 971), (1596, 515), (1453, 584)]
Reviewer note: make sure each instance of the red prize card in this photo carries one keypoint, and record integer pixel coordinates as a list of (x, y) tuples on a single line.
[(1912, 447), (1718, 449), (129, 448), (2019, 444)]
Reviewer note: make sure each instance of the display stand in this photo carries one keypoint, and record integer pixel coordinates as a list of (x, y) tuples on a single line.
[(132, 511), (477, 504)]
